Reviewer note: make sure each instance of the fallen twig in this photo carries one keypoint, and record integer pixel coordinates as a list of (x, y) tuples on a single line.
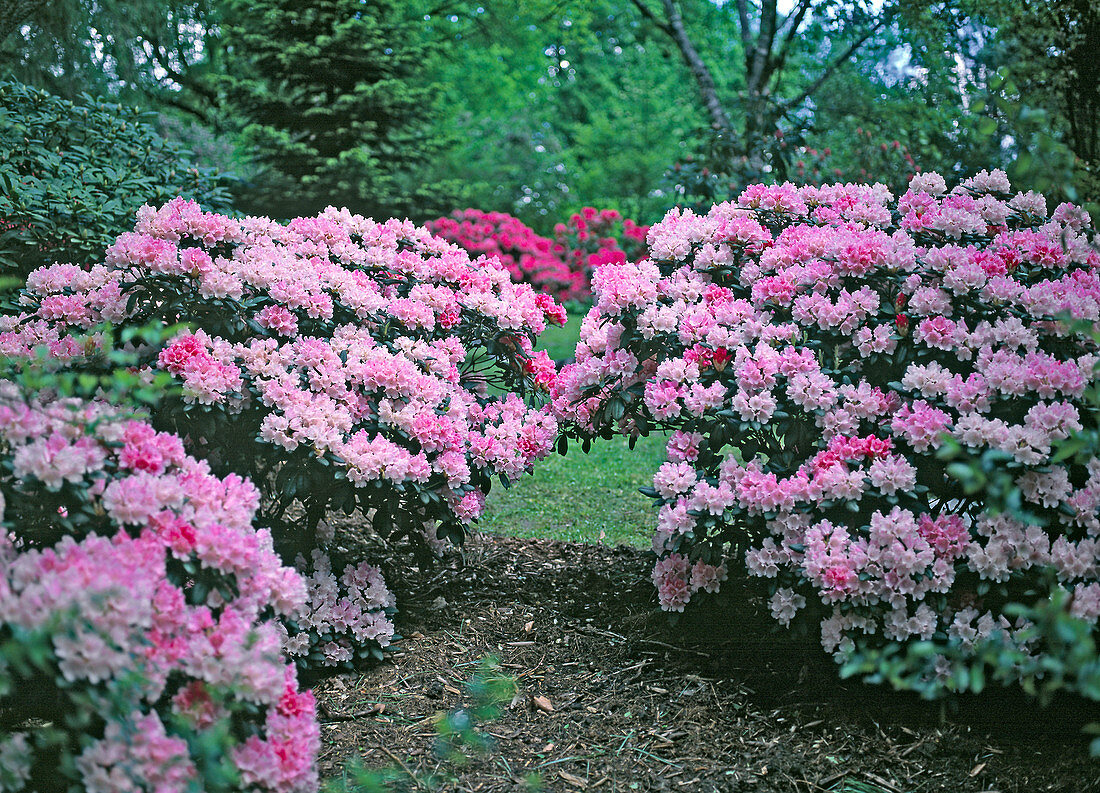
[(674, 647), (404, 767)]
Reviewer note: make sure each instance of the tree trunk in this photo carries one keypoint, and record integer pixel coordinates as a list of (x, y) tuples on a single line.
[(704, 81)]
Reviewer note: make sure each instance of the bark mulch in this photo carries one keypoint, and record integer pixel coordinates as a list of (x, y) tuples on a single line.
[(611, 698)]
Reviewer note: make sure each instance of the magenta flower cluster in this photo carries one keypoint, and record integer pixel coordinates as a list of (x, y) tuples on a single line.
[(155, 597), (561, 267), (811, 350), (594, 237)]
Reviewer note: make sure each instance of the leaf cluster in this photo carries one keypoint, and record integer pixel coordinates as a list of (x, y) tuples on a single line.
[(72, 174)]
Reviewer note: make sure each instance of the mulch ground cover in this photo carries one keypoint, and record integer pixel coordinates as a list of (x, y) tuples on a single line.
[(609, 697)]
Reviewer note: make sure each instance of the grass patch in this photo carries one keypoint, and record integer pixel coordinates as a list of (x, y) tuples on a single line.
[(582, 497), (561, 342)]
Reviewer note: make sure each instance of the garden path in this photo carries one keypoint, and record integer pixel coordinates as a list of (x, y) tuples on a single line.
[(638, 705)]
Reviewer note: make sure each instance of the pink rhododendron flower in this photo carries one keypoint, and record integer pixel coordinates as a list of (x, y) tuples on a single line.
[(859, 336), (121, 605), (369, 346)]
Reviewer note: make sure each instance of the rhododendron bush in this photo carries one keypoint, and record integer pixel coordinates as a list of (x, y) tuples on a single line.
[(152, 601), (811, 349), (593, 237), (338, 362), (561, 267), (529, 257), (344, 619)]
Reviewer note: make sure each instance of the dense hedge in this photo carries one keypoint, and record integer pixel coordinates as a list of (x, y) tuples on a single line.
[(72, 176), (139, 641), (339, 363)]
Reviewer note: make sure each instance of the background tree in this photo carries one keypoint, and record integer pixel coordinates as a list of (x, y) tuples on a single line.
[(553, 105), (327, 99), (541, 107), (771, 82), (14, 13), (1051, 52), (155, 53)]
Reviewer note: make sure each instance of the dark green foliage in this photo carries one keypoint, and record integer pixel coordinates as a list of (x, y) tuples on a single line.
[(327, 99), (72, 176), (46, 43), (153, 52), (1051, 51), (1012, 84), (109, 376)]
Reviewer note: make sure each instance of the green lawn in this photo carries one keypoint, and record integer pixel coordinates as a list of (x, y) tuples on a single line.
[(560, 342), (582, 497)]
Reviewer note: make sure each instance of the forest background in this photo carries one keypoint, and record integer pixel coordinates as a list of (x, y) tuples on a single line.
[(540, 107)]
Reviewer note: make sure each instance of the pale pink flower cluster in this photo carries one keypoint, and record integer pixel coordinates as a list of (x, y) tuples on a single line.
[(371, 345), (812, 356), (16, 758), (677, 579), (343, 617), (136, 754), (114, 598)]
